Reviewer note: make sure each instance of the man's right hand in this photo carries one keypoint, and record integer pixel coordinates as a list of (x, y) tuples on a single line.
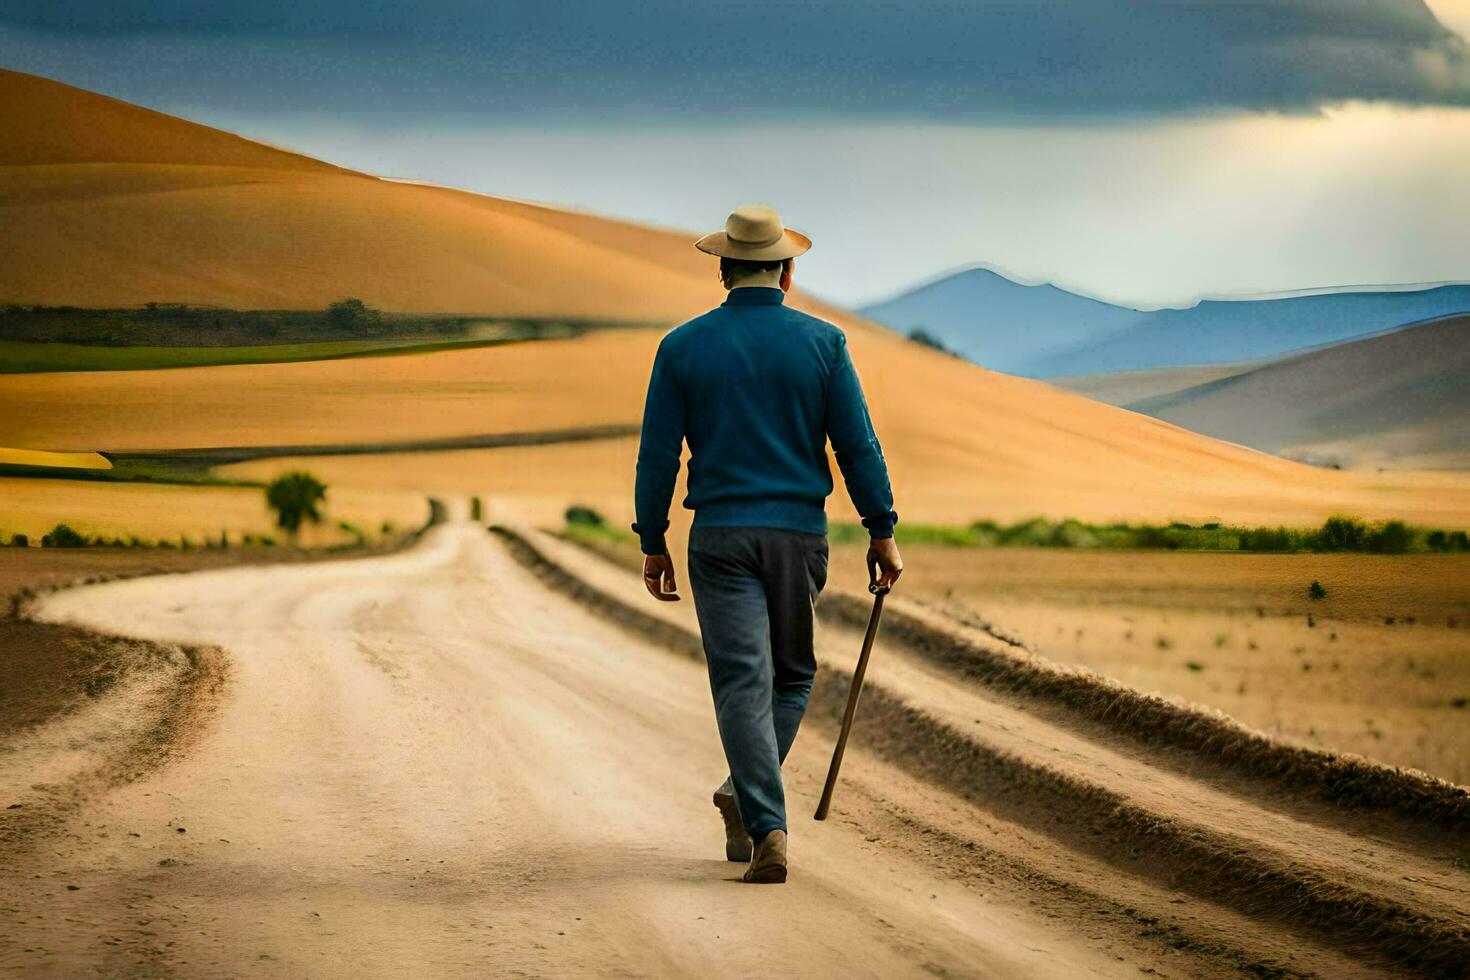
[(885, 564), (658, 577)]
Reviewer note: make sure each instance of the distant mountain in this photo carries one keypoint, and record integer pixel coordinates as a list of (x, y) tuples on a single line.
[(1397, 399), (999, 323), (1044, 331)]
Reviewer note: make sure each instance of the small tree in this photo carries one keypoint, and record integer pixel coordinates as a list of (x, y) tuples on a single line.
[(1340, 533), (62, 536), (1393, 538), (354, 316), (295, 498)]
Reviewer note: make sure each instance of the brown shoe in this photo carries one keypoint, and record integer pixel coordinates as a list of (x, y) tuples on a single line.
[(737, 841), (768, 865)]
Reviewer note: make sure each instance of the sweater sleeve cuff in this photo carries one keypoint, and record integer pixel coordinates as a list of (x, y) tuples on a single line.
[(881, 526), (652, 541)]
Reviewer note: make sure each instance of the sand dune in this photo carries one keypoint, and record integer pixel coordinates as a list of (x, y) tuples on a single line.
[(964, 442), (109, 204), (47, 123)]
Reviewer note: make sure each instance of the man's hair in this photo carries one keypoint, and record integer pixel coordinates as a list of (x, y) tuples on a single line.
[(733, 270)]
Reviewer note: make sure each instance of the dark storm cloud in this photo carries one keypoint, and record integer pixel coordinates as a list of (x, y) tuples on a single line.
[(879, 56)]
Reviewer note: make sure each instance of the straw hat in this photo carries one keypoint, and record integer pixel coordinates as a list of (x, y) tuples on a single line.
[(755, 232)]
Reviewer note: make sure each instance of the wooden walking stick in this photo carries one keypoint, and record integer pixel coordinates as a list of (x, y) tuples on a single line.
[(855, 692)]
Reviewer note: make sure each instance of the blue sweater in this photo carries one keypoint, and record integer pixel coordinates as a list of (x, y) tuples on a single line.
[(757, 389)]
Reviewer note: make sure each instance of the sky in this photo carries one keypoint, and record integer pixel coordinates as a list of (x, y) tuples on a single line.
[(1143, 151)]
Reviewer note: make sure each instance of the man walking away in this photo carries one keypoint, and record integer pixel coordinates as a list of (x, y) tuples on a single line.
[(757, 389)]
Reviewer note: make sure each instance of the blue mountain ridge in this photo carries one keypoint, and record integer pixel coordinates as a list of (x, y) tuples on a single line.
[(1044, 331)]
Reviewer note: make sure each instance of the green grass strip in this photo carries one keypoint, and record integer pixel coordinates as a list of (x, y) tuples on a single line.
[(20, 357)]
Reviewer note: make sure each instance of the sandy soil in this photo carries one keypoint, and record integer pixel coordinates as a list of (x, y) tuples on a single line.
[(1231, 631), (430, 763), (46, 668)]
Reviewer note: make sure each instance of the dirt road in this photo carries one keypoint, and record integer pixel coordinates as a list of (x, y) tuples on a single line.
[(434, 764), (430, 764)]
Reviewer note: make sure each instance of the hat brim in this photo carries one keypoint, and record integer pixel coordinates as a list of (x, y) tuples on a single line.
[(788, 246)]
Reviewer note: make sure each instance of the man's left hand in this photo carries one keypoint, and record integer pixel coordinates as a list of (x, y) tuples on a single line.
[(658, 577)]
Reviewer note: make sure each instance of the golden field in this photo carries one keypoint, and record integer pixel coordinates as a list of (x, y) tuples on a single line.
[(1383, 670), (963, 442), (156, 512), (39, 457)]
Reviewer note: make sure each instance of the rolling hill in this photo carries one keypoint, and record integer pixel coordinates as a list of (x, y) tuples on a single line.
[(1046, 332), (1398, 398), (110, 205), (248, 229)]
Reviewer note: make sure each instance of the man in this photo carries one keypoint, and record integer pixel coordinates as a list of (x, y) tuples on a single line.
[(757, 389)]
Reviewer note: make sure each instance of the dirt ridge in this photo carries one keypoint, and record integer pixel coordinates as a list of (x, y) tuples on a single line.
[(1210, 864), (192, 678), (1340, 779)]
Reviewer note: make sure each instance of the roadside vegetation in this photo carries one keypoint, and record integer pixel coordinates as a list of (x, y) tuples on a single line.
[(64, 536), (589, 529), (1338, 533)]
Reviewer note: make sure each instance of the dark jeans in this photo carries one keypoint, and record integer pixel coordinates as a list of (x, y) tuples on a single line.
[(754, 588)]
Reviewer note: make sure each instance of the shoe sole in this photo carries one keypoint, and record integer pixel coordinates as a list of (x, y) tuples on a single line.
[(735, 850), (767, 876)]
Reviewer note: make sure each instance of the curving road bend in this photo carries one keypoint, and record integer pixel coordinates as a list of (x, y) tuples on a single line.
[(430, 764)]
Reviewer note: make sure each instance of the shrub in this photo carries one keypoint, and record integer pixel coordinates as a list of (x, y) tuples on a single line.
[(295, 498), (1266, 539), (1072, 534), (584, 516), (62, 536), (1341, 533), (1034, 533), (476, 508), (1315, 590), (354, 316), (986, 533), (347, 527), (1149, 536), (1393, 538), (20, 541)]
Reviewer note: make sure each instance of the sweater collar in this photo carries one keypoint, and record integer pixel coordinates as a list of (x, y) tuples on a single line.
[(755, 296)]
